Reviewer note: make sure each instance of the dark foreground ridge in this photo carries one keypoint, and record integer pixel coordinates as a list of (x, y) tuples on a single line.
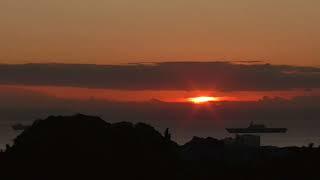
[(87, 147)]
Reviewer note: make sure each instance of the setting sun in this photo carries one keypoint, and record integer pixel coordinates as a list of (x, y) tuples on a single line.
[(202, 99)]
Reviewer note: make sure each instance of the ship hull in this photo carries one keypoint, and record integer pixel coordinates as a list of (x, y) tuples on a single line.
[(262, 130)]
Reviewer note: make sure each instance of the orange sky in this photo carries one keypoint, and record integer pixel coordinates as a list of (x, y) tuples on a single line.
[(167, 96), (122, 31)]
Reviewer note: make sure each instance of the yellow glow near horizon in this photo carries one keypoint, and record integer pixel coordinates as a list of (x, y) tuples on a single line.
[(202, 99)]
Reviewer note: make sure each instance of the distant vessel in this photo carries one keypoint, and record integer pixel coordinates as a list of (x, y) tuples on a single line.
[(19, 127), (250, 136), (256, 128)]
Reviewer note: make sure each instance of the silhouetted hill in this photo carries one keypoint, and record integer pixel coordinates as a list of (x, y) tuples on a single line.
[(87, 147), (202, 149)]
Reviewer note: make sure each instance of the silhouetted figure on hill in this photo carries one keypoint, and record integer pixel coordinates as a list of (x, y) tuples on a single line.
[(167, 135), (310, 145)]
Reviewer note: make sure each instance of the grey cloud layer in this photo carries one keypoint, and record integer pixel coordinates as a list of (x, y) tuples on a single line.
[(165, 76)]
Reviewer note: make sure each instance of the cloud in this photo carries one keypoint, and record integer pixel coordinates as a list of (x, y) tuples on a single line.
[(224, 76)]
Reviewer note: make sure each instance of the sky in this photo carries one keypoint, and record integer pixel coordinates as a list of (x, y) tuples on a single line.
[(141, 61), (157, 94), (125, 31)]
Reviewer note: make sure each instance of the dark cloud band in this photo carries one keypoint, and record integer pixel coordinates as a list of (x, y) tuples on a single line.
[(165, 76)]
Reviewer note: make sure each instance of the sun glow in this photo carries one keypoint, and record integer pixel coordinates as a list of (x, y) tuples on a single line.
[(202, 99)]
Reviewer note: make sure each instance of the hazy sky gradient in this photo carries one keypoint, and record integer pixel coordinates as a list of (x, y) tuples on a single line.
[(300, 115), (122, 31)]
